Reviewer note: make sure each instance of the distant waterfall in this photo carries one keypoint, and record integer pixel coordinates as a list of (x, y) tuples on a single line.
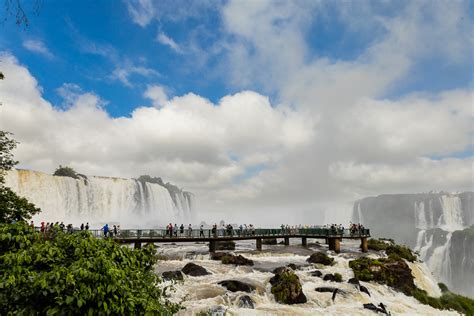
[(449, 220), (98, 200)]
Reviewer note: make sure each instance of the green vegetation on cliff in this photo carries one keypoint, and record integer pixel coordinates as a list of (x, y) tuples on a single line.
[(66, 172), (448, 300), (76, 274), (393, 272), (397, 274), (392, 250)]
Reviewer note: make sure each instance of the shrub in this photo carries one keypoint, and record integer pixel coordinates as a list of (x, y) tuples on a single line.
[(377, 245), (66, 172), (401, 251), (448, 300), (76, 274), (337, 277)]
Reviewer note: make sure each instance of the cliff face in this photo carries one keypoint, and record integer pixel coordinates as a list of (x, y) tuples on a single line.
[(462, 260), (430, 223)]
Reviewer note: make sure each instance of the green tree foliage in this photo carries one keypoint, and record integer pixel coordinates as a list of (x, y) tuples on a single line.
[(14, 207), (7, 162), (76, 274), (66, 172)]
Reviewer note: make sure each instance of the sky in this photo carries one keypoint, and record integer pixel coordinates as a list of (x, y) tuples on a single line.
[(278, 111)]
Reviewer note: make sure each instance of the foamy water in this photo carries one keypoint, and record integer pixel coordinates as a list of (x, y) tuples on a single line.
[(202, 294)]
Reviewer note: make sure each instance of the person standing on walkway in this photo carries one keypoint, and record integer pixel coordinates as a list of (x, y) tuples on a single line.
[(190, 230), (105, 229), (201, 231)]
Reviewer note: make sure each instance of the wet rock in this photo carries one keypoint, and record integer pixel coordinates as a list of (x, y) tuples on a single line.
[(237, 260), (325, 289), (376, 309), (286, 287), (236, 286), (280, 269), (363, 289), (354, 281), (269, 241), (292, 266), (193, 269), (217, 310), (320, 257), (172, 275), (246, 302), (225, 245), (218, 255), (316, 273), (336, 277)]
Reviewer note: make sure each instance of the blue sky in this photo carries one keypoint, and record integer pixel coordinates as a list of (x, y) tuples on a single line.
[(248, 104), (72, 30)]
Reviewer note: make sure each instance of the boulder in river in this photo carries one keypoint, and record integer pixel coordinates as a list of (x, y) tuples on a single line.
[(354, 281), (193, 269), (320, 257), (236, 286), (237, 260), (325, 289), (246, 301), (336, 277), (218, 255), (225, 245), (316, 273), (172, 275), (286, 287)]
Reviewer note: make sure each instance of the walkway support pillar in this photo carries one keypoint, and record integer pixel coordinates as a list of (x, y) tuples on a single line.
[(304, 241), (259, 244), (287, 241), (364, 244), (335, 244), (212, 246), (138, 244)]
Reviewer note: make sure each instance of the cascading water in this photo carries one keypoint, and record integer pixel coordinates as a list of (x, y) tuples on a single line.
[(129, 202)]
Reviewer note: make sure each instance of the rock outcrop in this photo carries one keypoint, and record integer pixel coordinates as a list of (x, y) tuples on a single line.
[(193, 269), (237, 260), (236, 286), (286, 288), (320, 257), (172, 275)]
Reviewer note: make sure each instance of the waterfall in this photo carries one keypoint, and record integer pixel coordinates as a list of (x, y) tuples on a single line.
[(420, 216), (98, 200), (451, 218), (440, 262)]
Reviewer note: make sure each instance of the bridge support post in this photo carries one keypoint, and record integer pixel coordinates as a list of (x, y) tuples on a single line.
[(304, 241), (287, 241), (212, 246), (259, 244), (326, 241), (138, 244), (335, 244), (364, 244)]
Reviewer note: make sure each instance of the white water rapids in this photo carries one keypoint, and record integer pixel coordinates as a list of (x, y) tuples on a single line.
[(98, 200), (203, 294)]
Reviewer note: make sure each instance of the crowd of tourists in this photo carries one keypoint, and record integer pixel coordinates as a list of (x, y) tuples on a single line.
[(221, 230)]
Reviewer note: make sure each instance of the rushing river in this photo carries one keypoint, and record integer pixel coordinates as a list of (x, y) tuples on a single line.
[(204, 295)]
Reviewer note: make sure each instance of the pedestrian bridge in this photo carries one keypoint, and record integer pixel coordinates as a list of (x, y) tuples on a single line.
[(333, 237)]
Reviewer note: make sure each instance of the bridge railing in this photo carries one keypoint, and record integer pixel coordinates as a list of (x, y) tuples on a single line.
[(222, 233)]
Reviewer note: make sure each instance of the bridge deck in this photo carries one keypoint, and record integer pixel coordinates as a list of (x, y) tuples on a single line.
[(195, 235)]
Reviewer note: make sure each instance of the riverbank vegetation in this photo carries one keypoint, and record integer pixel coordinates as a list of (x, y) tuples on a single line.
[(394, 271)]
